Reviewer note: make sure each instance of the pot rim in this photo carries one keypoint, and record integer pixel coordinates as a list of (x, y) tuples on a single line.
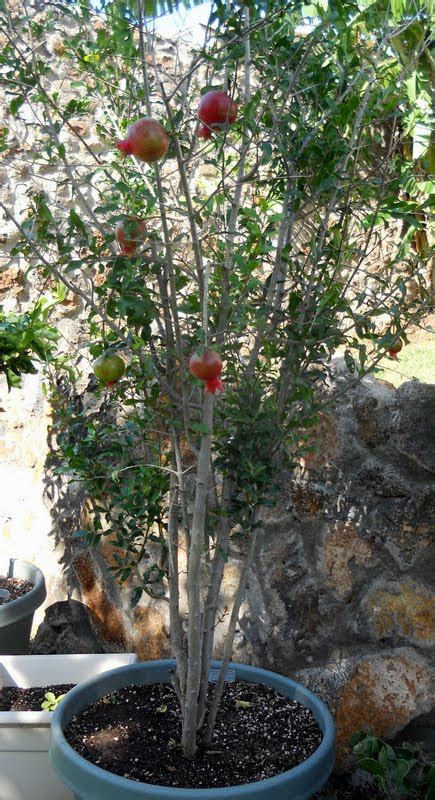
[(23, 606), (61, 718)]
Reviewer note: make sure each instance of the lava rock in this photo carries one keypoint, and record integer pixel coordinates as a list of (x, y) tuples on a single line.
[(66, 628)]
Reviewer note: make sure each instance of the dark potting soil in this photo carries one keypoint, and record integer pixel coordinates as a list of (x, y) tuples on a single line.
[(357, 785), (16, 699), (136, 733), (17, 587)]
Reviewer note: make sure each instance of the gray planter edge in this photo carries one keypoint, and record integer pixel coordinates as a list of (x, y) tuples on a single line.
[(89, 781), (23, 606)]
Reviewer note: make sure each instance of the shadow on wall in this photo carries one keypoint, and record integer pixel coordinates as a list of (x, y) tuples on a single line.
[(64, 497), (103, 624)]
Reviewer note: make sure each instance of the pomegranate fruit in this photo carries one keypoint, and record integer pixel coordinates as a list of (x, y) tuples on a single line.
[(204, 132), (109, 368), (217, 111), (395, 348), (146, 139), (129, 233), (207, 368), (214, 385)]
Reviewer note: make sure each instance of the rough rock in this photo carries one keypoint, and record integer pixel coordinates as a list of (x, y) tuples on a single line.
[(412, 434), (401, 611), (66, 629), (11, 282), (151, 639), (383, 693), (342, 546), (324, 443)]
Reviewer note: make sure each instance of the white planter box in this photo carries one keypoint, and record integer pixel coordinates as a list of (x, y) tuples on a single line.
[(25, 772)]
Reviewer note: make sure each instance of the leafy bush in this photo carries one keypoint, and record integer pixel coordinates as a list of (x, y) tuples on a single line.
[(24, 339), (399, 771)]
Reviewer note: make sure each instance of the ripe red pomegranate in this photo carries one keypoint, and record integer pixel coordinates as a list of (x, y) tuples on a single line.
[(217, 111), (207, 368), (395, 348), (129, 233), (109, 368), (214, 385), (204, 132), (146, 139)]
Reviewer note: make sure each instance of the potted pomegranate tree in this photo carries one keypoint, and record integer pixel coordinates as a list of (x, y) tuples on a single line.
[(223, 239)]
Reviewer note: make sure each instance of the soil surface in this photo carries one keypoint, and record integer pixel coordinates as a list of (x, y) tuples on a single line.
[(17, 587), (15, 699), (136, 732), (356, 785)]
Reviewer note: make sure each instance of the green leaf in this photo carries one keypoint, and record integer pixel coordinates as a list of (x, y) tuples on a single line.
[(199, 427), (411, 87), (78, 223), (266, 152), (136, 596), (356, 738), (429, 781), (16, 104), (372, 766)]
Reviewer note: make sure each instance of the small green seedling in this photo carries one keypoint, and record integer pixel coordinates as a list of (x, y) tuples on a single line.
[(51, 702), (162, 709), (399, 771), (109, 699), (243, 704)]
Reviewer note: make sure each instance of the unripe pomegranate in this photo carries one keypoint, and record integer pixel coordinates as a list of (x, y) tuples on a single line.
[(217, 111), (395, 348), (129, 233), (207, 368), (146, 139), (109, 368)]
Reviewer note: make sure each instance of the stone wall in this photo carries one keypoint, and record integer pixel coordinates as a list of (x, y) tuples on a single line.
[(342, 590)]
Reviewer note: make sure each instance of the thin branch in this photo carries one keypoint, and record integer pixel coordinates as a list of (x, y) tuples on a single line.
[(59, 275), (235, 203), (168, 244)]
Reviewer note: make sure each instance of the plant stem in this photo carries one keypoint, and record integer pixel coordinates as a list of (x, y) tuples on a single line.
[(194, 583), (176, 628), (229, 639), (212, 600)]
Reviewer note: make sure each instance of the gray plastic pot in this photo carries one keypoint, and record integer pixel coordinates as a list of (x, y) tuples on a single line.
[(16, 616), (88, 782)]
